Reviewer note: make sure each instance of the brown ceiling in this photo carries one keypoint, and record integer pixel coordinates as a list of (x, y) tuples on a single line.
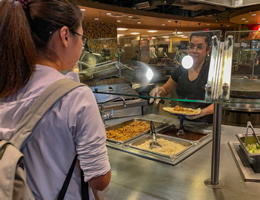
[(141, 21), (250, 15)]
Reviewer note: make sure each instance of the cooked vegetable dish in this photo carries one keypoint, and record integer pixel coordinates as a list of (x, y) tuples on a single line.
[(253, 148)]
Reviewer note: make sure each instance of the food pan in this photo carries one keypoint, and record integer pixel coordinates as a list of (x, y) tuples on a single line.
[(157, 125), (193, 135), (140, 140), (253, 158)]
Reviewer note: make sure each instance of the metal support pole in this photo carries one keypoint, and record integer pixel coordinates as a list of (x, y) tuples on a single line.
[(214, 181)]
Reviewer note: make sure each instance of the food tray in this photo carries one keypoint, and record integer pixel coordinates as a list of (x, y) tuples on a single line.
[(252, 158), (143, 138), (192, 135), (157, 124)]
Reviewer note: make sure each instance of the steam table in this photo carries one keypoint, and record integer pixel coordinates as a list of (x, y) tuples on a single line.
[(137, 178)]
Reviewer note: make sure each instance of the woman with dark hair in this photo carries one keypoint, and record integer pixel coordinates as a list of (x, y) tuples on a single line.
[(38, 39), (190, 83)]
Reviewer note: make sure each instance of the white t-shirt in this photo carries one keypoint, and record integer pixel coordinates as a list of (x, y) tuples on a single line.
[(73, 126)]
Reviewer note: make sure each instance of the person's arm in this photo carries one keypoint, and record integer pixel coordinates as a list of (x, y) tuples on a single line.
[(100, 182), (168, 87), (163, 90), (89, 136), (205, 111)]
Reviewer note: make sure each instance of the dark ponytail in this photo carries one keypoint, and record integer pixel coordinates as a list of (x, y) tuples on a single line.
[(26, 28), (17, 50)]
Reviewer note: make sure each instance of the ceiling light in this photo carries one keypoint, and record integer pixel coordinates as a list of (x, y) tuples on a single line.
[(163, 24), (115, 15), (246, 21), (135, 33), (118, 21), (139, 22), (253, 14), (243, 19), (179, 32), (83, 9), (96, 19), (130, 16), (152, 31), (122, 29), (169, 20), (228, 25), (208, 24), (165, 36), (120, 35)]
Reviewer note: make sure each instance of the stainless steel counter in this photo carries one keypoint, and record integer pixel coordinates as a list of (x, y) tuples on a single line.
[(137, 178)]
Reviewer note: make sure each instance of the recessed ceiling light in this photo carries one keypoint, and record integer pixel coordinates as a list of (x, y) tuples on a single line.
[(83, 9), (163, 24), (243, 19), (96, 19), (120, 35), (130, 16), (152, 31), (118, 21), (122, 29), (179, 32), (246, 21), (135, 33), (115, 15), (169, 20), (228, 25), (208, 24), (253, 14), (139, 22), (165, 36)]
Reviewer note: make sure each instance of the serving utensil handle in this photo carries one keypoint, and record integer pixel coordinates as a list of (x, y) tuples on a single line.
[(152, 130)]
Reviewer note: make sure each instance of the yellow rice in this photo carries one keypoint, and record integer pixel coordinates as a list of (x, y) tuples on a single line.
[(169, 148)]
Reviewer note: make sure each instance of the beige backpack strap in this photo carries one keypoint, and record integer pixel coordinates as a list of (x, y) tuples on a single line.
[(41, 105)]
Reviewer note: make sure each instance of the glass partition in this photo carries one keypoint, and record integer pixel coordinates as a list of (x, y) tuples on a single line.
[(143, 63), (241, 70)]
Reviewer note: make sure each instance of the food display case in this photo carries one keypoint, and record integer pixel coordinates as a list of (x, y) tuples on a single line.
[(226, 87), (245, 80)]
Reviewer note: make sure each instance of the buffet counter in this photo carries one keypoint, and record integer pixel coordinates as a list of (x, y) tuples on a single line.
[(137, 178)]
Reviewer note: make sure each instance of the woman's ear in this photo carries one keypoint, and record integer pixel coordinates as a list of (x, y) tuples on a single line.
[(64, 36), (208, 49)]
